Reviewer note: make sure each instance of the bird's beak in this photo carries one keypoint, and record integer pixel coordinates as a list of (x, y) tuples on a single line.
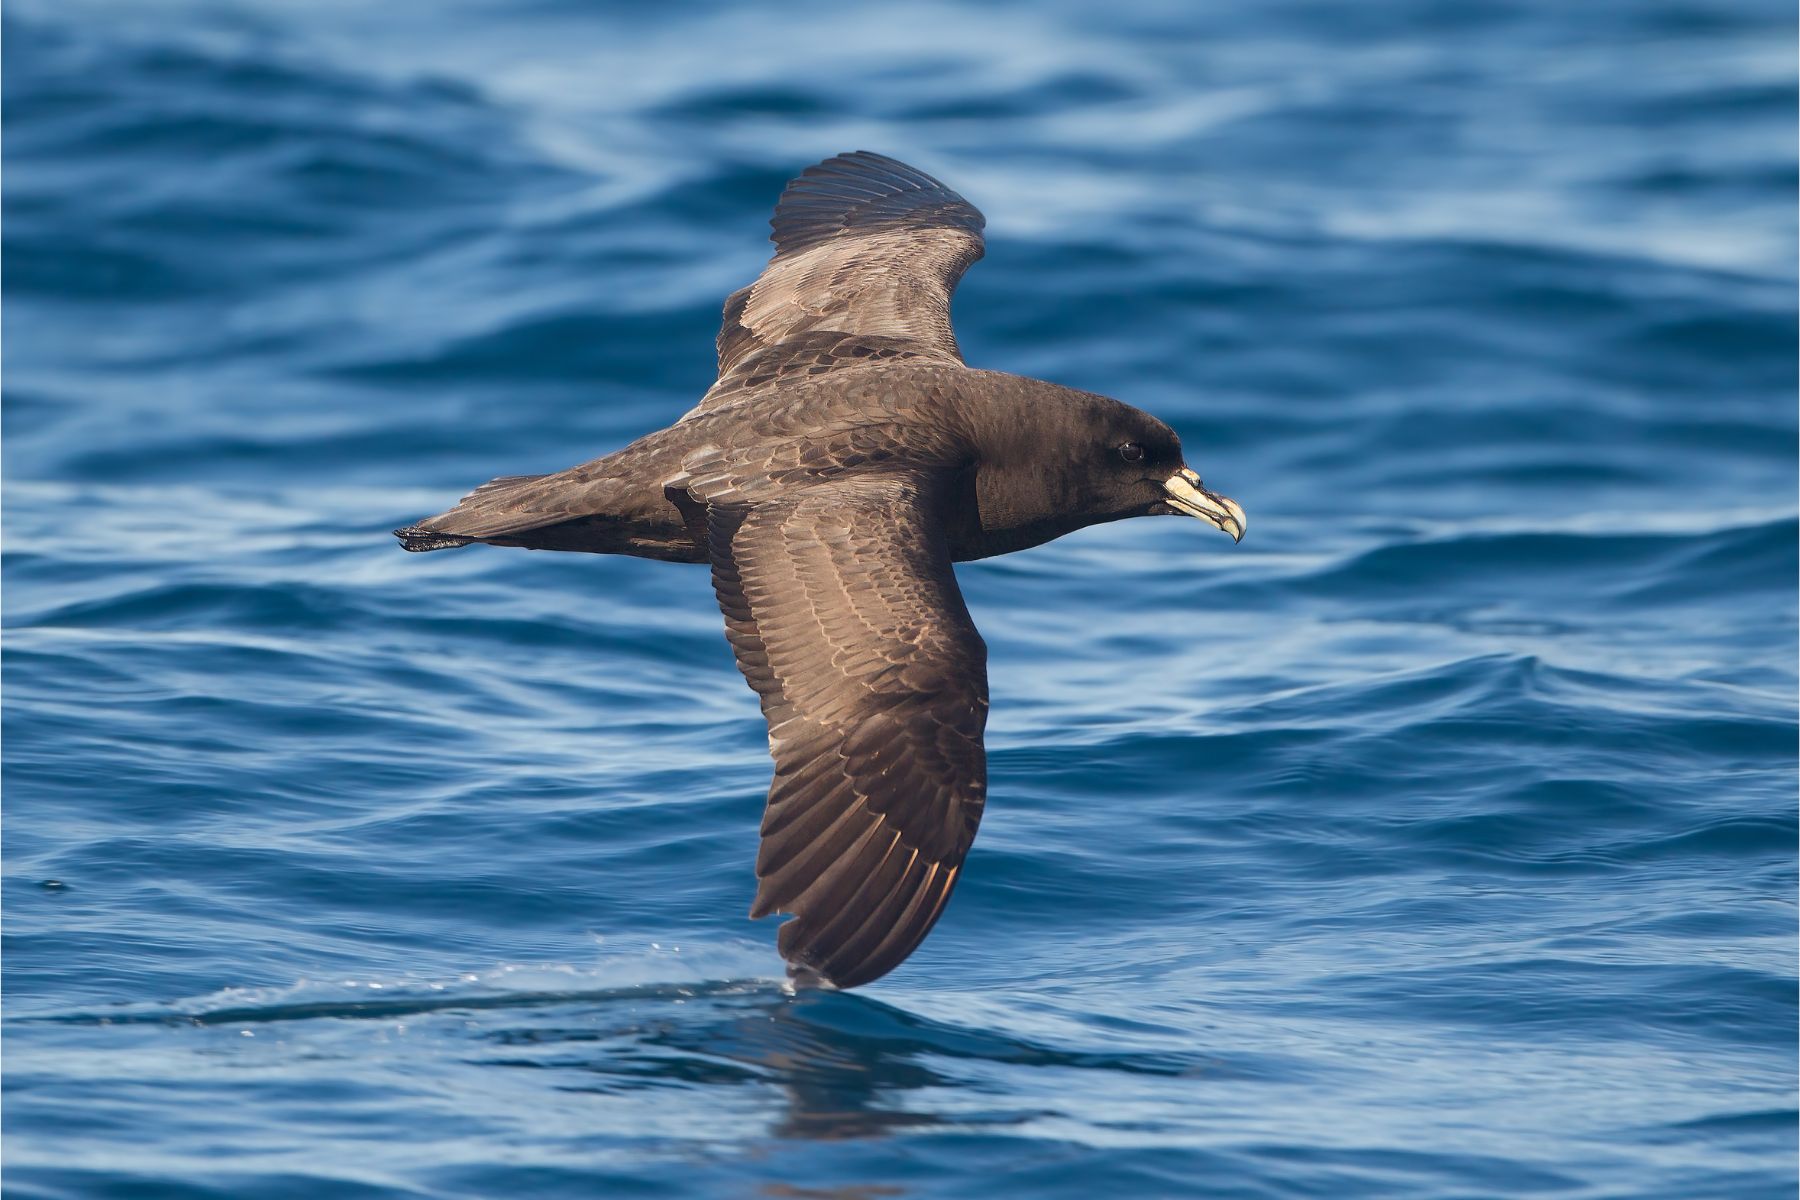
[(1187, 496)]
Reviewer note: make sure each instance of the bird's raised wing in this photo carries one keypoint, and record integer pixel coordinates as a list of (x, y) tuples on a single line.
[(843, 609), (867, 252)]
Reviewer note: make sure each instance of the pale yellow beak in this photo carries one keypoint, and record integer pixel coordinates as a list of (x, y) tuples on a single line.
[(1187, 496)]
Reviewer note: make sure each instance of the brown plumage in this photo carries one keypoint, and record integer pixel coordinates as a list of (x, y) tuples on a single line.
[(844, 459)]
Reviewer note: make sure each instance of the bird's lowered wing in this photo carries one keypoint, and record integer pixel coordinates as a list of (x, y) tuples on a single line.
[(841, 605), (867, 252)]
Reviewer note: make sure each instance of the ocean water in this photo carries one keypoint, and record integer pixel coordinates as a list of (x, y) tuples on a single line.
[(1438, 841)]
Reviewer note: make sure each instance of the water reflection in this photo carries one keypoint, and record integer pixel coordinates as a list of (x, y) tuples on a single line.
[(844, 1065)]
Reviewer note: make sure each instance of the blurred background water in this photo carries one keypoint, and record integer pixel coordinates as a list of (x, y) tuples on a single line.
[(1439, 841)]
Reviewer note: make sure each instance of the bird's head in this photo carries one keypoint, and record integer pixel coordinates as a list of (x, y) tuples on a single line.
[(1073, 459)]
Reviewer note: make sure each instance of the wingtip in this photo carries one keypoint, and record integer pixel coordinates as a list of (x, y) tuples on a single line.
[(866, 187), (800, 976)]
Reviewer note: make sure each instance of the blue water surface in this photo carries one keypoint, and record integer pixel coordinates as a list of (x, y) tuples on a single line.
[(1438, 841)]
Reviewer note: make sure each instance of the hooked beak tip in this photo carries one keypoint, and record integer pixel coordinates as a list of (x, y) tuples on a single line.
[(1187, 495)]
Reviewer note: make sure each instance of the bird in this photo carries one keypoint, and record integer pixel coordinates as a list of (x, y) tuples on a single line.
[(843, 460)]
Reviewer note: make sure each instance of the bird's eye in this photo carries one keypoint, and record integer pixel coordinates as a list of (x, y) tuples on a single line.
[(1131, 452)]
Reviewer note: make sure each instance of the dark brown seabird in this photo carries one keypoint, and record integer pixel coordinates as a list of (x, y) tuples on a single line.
[(843, 460)]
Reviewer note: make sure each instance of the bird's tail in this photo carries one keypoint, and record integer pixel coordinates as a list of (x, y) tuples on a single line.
[(419, 539), (482, 514)]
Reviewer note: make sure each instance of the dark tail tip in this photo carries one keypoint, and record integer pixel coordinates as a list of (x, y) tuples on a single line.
[(418, 539)]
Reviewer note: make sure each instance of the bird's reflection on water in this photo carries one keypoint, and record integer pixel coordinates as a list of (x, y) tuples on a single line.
[(843, 1076), (845, 1065), (848, 1065)]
